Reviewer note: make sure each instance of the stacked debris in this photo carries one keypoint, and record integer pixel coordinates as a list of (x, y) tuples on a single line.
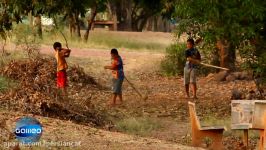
[(77, 75), (36, 91)]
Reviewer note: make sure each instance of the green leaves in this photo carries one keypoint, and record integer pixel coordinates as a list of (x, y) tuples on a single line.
[(236, 21), (233, 20), (174, 61)]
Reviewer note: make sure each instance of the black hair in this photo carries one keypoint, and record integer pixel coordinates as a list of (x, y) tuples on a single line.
[(57, 44), (191, 41), (114, 51)]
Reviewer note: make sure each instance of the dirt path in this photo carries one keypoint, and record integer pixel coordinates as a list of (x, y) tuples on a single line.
[(92, 139), (141, 68), (166, 100), (133, 60)]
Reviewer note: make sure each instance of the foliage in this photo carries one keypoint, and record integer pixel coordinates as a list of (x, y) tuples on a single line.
[(254, 57), (142, 10), (174, 60), (232, 22), (5, 83), (26, 40), (134, 14), (212, 20), (139, 126), (14, 10)]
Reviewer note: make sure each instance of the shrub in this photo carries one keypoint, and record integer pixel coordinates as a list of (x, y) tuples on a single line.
[(25, 39), (5, 84), (174, 61), (254, 57)]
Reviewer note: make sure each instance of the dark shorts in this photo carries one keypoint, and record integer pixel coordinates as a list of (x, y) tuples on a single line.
[(61, 79), (117, 86)]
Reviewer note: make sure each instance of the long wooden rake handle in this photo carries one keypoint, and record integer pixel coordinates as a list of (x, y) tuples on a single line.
[(131, 84), (208, 65)]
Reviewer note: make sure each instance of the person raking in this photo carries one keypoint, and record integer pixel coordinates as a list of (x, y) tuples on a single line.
[(118, 76), (190, 70)]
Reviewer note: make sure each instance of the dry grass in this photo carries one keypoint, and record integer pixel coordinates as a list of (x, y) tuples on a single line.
[(145, 41), (138, 126)]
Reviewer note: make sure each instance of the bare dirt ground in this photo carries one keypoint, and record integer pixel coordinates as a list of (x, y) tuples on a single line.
[(58, 130), (166, 103), (87, 137), (166, 100)]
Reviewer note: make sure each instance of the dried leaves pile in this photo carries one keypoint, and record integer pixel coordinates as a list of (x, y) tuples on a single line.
[(36, 91)]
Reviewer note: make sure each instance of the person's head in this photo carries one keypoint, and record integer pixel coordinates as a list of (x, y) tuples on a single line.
[(57, 46), (114, 52), (190, 43)]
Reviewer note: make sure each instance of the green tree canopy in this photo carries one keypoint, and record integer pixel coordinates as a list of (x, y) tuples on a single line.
[(229, 21)]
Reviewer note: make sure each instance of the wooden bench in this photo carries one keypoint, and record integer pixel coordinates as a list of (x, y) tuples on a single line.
[(262, 141), (199, 132), (248, 115), (259, 122), (110, 24)]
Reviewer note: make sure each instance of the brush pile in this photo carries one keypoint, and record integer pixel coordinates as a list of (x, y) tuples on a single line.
[(36, 91)]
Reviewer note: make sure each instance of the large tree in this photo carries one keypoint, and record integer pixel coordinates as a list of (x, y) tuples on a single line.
[(134, 14), (9, 12), (226, 23)]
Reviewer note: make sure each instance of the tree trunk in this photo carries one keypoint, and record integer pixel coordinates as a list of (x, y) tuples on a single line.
[(227, 54), (77, 24), (123, 12), (139, 23), (114, 18), (38, 25), (149, 25), (142, 24), (72, 27), (112, 9), (90, 21), (215, 58), (155, 25), (30, 19)]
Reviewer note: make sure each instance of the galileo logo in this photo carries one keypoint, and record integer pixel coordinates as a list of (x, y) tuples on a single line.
[(28, 130)]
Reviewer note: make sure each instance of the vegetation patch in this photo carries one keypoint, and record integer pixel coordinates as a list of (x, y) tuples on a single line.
[(138, 126), (174, 61), (6, 83), (36, 92)]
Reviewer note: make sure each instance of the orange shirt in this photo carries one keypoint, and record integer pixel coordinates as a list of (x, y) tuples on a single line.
[(117, 64), (61, 61)]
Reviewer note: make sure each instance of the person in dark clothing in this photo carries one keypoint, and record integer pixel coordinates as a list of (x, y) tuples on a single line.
[(193, 58)]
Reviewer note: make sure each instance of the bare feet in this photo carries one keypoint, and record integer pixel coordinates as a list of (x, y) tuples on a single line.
[(119, 102), (111, 104)]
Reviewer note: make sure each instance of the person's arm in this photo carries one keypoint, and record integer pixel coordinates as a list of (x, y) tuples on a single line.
[(113, 66), (193, 60), (109, 67), (66, 52)]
